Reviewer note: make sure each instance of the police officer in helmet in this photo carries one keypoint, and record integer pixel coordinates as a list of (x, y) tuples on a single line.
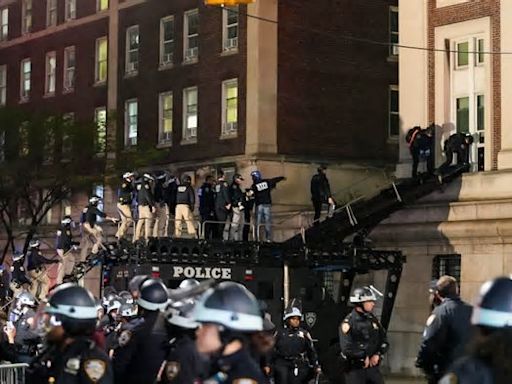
[(228, 315), (489, 358), (23, 319), (71, 356), (185, 202), (65, 247), (143, 349), (362, 339), (295, 354)]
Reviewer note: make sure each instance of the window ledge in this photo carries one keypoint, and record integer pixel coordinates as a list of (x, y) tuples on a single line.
[(68, 90), (24, 100), (191, 61), (229, 52), (129, 75), (188, 141), (164, 67), (100, 83), (48, 95), (393, 59), (99, 154), (164, 145), (227, 136)]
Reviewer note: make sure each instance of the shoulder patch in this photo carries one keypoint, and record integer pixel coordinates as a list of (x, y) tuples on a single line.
[(73, 365), (124, 338), (430, 320), (345, 327), (95, 369), (244, 381), (172, 369), (449, 378), (375, 325)]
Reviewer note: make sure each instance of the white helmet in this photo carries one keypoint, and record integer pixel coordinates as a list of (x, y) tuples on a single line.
[(113, 304), (147, 176), (181, 316), (127, 310), (292, 312), (363, 294), (127, 175), (26, 298), (94, 199)]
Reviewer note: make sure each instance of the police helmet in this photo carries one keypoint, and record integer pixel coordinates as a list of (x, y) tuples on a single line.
[(292, 312), (34, 243), (186, 179), (17, 256), (230, 305), (107, 298), (256, 175), (26, 298), (363, 294), (94, 200), (148, 177), (114, 304), (181, 315), (153, 295), (125, 297), (66, 220), (188, 283), (237, 176), (74, 308), (136, 281), (494, 305), (127, 310), (128, 175), (160, 175)]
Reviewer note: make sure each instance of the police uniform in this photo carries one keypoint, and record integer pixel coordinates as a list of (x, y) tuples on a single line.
[(81, 362), (36, 268), (146, 202), (184, 364), (445, 337), (320, 193), (124, 205), (18, 276), (222, 199), (92, 234), (238, 368), (26, 340), (185, 202), (64, 249), (206, 196), (362, 336), (456, 143), (292, 348), (237, 214), (160, 226)]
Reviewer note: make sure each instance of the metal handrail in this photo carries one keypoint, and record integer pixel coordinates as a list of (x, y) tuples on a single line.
[(203, 226)]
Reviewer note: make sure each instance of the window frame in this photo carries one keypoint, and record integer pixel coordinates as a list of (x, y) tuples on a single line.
[(188, 58), (4, 28), (98, 62), (479, 51), (457, 98), (129, 142), (393, 88), (3, 85), (131, 68), (70, 11), (226, 47), (393, 47), (186, 94), (457, 52), (99, 7), (100, 126), (447, 264), (163, 20), (66, 69), (161, 118), (225, 132), (51, 13), (50, 76), (25, 93), (26, 17), (479, 108)]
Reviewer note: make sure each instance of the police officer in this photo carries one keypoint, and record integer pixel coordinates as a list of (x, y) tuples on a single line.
[(362, 340), (489, 359), (146, 204), (127, 320), (170, 192), (65, 247), (143, 349), (237, 207), (422, 146), (321, 193), (71, 356), (36, 267), (262, 189), (92, 234), (228, 314), (23, 319), (447, 331), (185, 202), (161, 209), (19, 279), (458, 143), (124, 203), (206, 196), (294, 355), (248, 207), (222, 207)]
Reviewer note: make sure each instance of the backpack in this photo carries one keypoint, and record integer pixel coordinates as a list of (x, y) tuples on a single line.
[(411, 134)]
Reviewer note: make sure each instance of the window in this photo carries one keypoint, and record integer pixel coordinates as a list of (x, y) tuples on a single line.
[(230, 107), (100, 138), (49, 140), (99, 190), (132, 49), (3, 84), (446, 265), (23, 140), (131, 117), (69, 68), (26, 16), (51, 13), (165, 114), (166, 41), (101, 59), (191, 34), (393, 31), (49, 87), (26, 69), (463, 114), (4, 23), (480, 54), (462, 54), (394, 113), (70, 10), (2, 146), (67, 141), (102, 5), (190, 114), (480, 113), (230, 28)]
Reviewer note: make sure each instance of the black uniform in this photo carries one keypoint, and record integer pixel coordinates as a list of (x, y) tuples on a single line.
[(320, 193), (36, 260), (65, 239), (422, 147), (294, 356), (263, 188), (469, 370), (456, 143), (18, 272), (238, 367), (445, 337), (184, 364), (141, 351), (91, 214), (361, 336), (26, 340), (222, 198), (248, 207), (126, 193), (81, 362), (170, 191), (185, 195), (206, 196), (145, 194)]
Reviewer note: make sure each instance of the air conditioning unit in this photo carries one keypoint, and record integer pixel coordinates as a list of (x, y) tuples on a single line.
[(69, 82), (191, 54), (167, 58), (131, 141), (165, 137), (230, 127), (395, 49), (231, 43), (191, 133), (131, 67)]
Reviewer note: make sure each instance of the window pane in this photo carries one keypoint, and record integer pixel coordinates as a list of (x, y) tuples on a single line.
[(193, 24), (481, 50), (168, 30), (393, 21), (480, 113), (463, 115), (462, 54), (394, 121), (393, 101)]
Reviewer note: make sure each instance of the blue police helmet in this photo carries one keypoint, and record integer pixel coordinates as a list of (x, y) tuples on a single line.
[(494, 306), (256, 175)]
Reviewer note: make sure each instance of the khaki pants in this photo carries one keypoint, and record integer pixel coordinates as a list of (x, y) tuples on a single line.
[(160, 227), (126, 219), (146, 221), (40, 283), (66, 266), (92, 237), (183, 212)]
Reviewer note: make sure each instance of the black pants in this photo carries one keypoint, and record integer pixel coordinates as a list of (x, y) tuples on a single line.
[(284, 373), (247, 228), (370, 375), (415, 153), (220, 215), (209, 228), (317, 205), (462, 158)]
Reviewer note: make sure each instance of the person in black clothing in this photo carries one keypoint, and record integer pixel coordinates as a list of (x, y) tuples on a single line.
[(146, 207), (206, 196), (229, 313), (160, 226), (248, 207), (362, 340), (321, 194), (124, 203), (185, 202), (447, 332), (294, 354), (92, 234), (7, 336), (70, 356), (458, 143), (143, 349), (65, 248), (262, 189), (222, 207), (421, 146), (237, 207), (19, 279), (26, 339), (170, 192), (488, 359), (36, 267)]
